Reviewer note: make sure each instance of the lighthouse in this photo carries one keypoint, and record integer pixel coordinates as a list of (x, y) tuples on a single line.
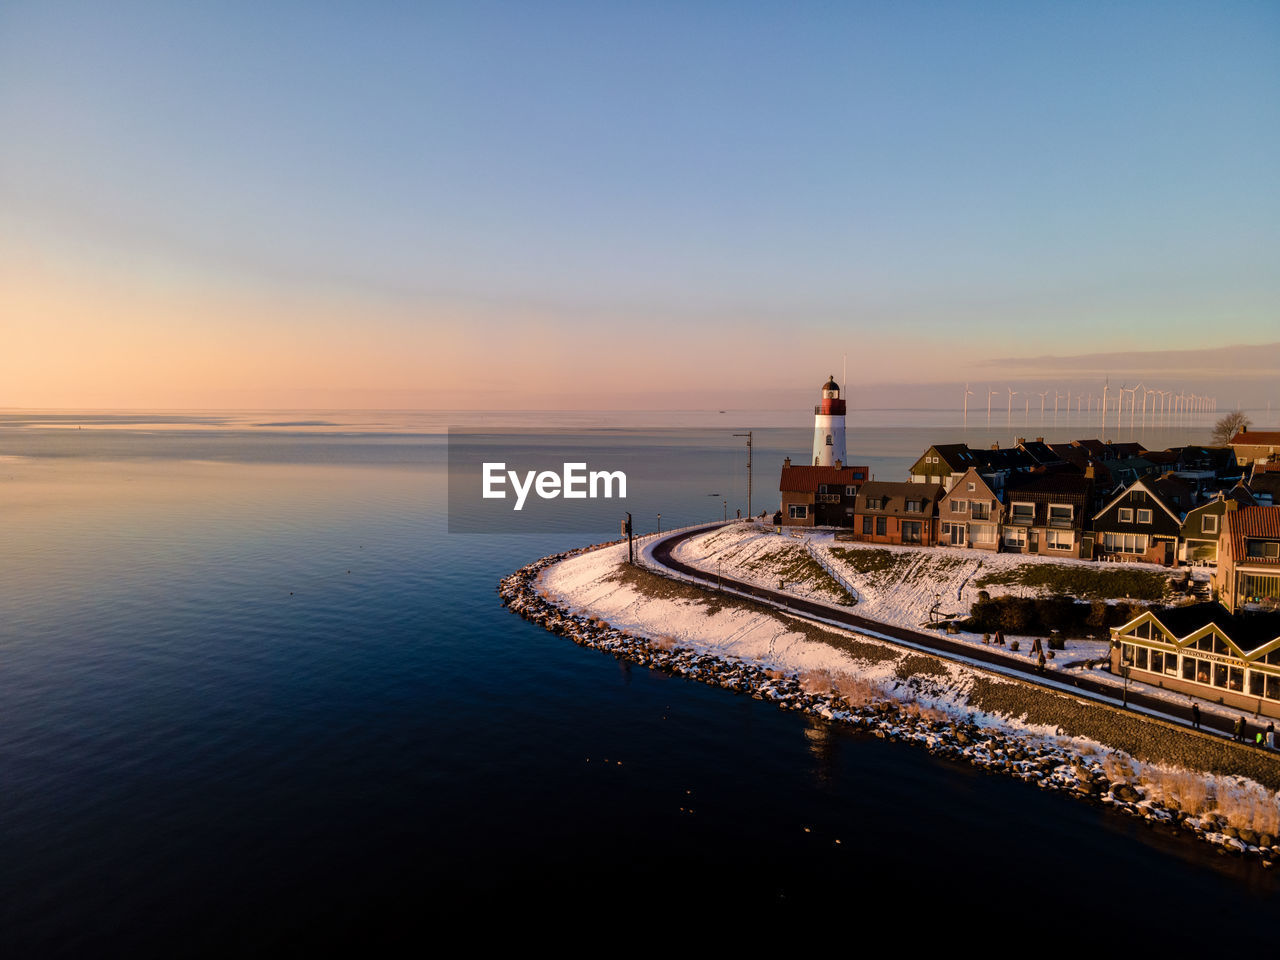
[(828, 426)]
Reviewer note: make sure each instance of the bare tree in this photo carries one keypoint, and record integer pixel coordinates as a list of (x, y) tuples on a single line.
[(1228, 426)]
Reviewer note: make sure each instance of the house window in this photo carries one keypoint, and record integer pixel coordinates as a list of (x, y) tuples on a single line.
[(1262, 548), (1125, 515), (1015, 536), (880, 526), (1023, 512), (866, 526), (959, 506), (1060, 515), (875, 503), (828, 439), (1124, 542), (859, 475), (911, 531), (1209, 523), (822, 488), (1144, 516), (850, 491), (971, 487), (798, 511), (914, 506), (1059, 539)]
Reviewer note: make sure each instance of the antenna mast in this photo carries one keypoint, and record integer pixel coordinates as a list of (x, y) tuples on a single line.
[(748, 436)]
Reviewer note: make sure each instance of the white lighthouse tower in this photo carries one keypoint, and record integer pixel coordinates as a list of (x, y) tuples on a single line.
[(828, 426)]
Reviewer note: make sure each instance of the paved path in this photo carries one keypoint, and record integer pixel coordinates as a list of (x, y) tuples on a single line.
[(937, 642)]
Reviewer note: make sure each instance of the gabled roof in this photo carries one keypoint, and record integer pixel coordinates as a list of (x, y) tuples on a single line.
[(1250, 634), (805, 479), (1153, 489), (1239, 493), (1046, 483), (972, 475), (1039, 451), (1242, 495), (1124, 450), (1246, 523), (1256, 438), (1094, 446), (897, 494)]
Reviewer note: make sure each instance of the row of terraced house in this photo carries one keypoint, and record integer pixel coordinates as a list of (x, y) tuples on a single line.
[(1086, 499)]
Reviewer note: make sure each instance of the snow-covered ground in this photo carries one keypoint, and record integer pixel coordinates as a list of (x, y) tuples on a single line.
[(904, 594), (590, 584)]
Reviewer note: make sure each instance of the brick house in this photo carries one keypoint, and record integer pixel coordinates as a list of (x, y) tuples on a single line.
[(1248, 572), (1047, 513), (970, 513), (1252, 446), (901, 513), (819, 496)]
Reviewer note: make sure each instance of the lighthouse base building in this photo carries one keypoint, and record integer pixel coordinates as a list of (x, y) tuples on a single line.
[(822, 493)]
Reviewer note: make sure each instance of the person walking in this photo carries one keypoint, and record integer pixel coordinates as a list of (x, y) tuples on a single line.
[(1238, 734), (1195, 716), (1271, 735)]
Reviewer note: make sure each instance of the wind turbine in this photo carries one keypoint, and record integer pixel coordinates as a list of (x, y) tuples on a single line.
[(1042, 396), (990, 393), (967, 394), (1011, 395)]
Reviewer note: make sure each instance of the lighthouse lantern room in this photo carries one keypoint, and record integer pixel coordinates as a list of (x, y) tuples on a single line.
[(828, 426)]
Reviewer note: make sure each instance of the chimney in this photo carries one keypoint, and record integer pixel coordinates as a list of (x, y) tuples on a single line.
[(1019, 441), (996, 445), (1231, 504), (786, 462), (1088, 471), (1039, 439), (839, 465)]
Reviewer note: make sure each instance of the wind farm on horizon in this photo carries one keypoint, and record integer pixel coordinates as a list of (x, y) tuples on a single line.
[(1167, 407)]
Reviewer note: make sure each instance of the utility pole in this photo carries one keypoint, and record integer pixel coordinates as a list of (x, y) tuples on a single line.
[(749, 437), (631, 550)]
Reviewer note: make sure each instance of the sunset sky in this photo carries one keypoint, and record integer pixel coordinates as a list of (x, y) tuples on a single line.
[(648, 204)]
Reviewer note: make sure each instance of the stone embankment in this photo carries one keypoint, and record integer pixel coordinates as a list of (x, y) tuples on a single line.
[(1049, 765)]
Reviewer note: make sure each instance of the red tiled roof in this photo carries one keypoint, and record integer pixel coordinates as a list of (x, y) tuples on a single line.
[(1257, 438), (805, 479), (1249, 522)]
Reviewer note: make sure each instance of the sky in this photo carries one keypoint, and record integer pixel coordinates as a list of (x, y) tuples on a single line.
[(654, 205)]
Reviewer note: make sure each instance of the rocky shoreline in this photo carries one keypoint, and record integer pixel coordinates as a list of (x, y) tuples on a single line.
[(1049, 766)]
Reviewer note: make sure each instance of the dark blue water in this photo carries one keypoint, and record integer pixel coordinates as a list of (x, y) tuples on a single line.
[(274, 705)]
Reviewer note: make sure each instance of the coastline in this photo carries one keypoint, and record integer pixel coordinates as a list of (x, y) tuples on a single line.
[(996, 723)]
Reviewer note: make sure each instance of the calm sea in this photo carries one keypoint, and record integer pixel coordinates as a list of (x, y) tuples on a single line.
[(254, 695)]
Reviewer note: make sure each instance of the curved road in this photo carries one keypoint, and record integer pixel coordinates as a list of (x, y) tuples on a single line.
[(663, 548)]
